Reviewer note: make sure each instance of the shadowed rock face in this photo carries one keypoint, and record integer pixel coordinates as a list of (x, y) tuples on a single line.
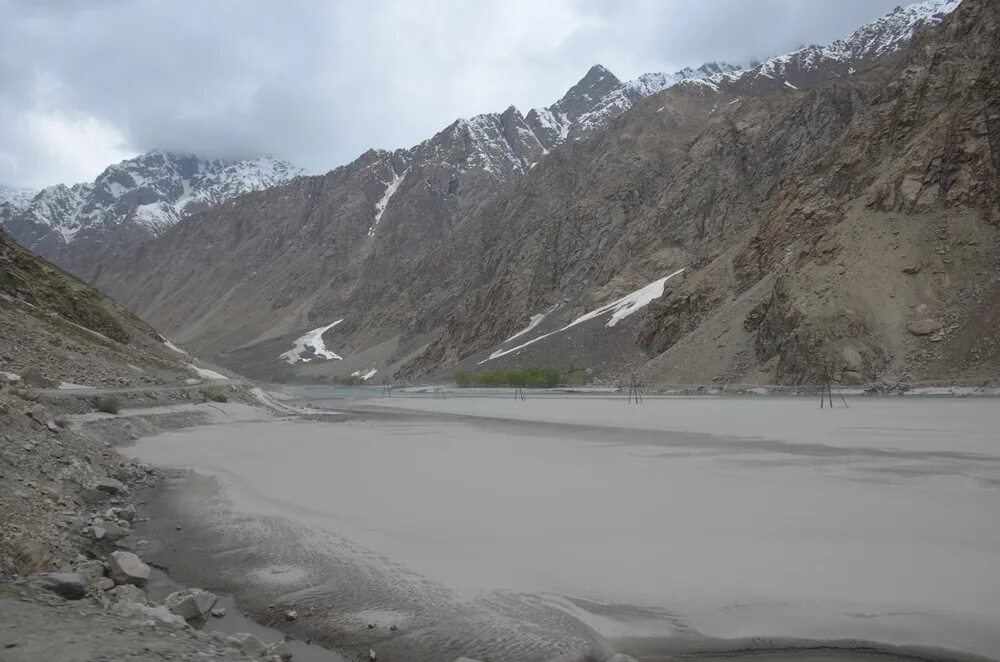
[(831, 186)]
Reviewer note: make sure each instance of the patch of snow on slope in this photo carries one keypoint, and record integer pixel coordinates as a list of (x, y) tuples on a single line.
[(390, 190), (365, 375), (172, 346), (314, 341), (157, 216), (619, 309), (205, 373), (535, 321)]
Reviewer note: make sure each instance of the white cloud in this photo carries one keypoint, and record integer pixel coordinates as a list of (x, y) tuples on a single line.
[(81, 146)]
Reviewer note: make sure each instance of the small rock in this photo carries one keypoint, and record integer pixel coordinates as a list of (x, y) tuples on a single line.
[(70, 585), (291, 615), (913, 269), (219, 612), (371, 626), (392, 627), (924, 327), (190, 603), (127, 568), (104, 584), (371, 655)]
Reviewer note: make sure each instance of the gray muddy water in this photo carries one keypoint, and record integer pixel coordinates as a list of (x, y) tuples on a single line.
[(681, 527)]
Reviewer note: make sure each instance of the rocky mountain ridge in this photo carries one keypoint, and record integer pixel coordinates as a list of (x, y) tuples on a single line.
[(80, 225), (435, 257)]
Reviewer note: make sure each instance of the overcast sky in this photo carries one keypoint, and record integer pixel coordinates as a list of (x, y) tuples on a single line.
[(317, 82)]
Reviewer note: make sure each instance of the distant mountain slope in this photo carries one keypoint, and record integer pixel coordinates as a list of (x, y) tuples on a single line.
[(869, 44), (435, 256), (13, 199), (78, 226)]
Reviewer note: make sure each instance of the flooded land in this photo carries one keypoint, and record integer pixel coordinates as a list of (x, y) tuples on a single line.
[(510, 530)]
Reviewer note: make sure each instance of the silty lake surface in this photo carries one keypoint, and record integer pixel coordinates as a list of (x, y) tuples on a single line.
[(680, 520)]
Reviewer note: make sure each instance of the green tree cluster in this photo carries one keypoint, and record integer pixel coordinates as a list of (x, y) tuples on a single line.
[(533, 377)]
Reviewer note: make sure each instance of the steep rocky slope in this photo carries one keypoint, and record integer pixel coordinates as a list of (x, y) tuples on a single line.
[(849, 229), (433, 266), (54, 323), (277, 259), (79, 226)]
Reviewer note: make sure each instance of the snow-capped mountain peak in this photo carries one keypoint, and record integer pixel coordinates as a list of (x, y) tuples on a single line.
[(868, 44), (151, 191)]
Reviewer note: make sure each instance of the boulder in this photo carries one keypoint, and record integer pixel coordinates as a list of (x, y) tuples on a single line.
[(70, 585), (127, 568), (104, 584), (219, 612), (924, 327), (110, 485), (190, 603), (247, 643)]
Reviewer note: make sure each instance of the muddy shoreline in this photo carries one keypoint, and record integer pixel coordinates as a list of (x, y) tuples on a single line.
[(210, 549)]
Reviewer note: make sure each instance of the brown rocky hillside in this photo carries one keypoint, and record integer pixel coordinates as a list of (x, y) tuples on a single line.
[(66, 330), (849, 226)]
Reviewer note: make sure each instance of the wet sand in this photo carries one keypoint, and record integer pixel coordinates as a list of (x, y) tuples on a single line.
[(685, 526)]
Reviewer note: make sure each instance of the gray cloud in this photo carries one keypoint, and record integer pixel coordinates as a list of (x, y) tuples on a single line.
[(86, 84)]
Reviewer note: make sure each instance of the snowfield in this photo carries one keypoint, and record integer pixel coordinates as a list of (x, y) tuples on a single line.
[(619, 309), (314, 341)]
